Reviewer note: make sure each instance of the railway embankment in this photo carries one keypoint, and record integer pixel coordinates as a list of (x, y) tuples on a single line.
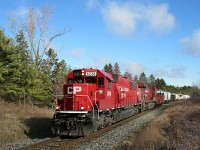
[(110, 139), (176, 128), (23, 125)]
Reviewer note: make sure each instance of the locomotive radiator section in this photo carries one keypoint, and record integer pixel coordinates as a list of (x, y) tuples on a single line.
[(78, 123)]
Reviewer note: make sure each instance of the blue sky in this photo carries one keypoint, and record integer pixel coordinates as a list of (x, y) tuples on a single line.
[(159, 37)]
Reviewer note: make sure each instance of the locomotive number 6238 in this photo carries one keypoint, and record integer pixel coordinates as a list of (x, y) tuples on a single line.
[(91, 73)]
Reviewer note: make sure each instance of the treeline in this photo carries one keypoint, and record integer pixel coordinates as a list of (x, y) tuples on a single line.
[(22, 80), (25, 79), (30, 71), (159, 83)]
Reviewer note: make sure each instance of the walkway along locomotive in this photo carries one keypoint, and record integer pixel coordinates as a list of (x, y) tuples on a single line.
[(93, 99)]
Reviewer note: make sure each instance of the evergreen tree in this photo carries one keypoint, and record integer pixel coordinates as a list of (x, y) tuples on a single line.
[(143, 78), (110, 68), (136, 78), (106, 68), (151, 80), (127, 74), (39, 87), (9, 64), (61, 73), (20, 78), (4, 41), (116, 69), (160, 84), (24, 68)]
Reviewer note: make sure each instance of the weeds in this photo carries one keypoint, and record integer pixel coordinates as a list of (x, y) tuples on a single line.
[(177, 128), (18, 123)]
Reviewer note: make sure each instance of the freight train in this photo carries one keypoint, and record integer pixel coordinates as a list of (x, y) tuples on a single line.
[(93, 99)]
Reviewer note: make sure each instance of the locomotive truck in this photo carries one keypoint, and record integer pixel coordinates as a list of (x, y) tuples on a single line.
[(93, 99)]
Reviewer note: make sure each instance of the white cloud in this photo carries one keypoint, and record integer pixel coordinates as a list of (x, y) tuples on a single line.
[(120, 19), (171, 72), (92, 4), (177, 72), (102, 60), (125, 18), (133, 68), (20, 12), (77, 53), (191, 44), (159, 18)]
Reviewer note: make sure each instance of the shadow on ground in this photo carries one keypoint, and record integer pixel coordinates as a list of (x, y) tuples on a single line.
[(38, 128)]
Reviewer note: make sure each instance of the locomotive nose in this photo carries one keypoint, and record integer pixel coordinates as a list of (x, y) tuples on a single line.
[(77, 97), (74, 89)]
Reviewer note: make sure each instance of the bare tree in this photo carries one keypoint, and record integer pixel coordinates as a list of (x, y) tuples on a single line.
[(36, 27), (196, 89)]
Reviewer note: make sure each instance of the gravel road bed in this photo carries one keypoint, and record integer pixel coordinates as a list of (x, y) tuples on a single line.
[(113, 137), (25, 143)]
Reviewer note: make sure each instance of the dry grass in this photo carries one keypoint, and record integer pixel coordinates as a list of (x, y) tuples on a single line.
[(177, 128), (18, 123)]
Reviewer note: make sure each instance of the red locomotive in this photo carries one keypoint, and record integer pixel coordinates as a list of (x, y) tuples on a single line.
[(93, 99)]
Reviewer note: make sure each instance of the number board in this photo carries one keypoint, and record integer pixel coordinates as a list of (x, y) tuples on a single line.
[(91, 73)]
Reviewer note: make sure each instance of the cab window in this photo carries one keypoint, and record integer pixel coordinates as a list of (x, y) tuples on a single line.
[(90, 80), (70, 80), (109, 85), (79, 80), (133, 85), (100, 82)]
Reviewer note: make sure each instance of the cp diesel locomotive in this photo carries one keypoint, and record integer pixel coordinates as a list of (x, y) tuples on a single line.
[(93, 99)]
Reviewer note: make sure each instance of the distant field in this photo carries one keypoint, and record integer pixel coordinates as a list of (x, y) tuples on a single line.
[(177, 128), (18, 123)]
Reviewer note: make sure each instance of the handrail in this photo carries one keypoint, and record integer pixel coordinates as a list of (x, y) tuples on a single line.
[(95, 98)]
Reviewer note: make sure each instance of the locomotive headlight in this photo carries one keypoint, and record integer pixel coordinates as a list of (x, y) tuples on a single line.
[(82, 72), (82, 108), (58, 107)]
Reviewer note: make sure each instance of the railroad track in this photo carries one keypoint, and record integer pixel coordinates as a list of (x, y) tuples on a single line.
[(49, 144), (59, 143)]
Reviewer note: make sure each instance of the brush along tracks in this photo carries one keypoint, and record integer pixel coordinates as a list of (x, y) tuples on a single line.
[(104, 138)]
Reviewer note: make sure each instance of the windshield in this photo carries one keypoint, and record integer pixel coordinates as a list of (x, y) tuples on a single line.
[(79, 80), (90, 80)]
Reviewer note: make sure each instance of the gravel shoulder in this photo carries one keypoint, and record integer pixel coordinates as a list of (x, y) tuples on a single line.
[(115, 136)]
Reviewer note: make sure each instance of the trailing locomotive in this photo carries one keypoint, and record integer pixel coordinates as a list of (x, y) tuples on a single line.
[(93, 99)]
